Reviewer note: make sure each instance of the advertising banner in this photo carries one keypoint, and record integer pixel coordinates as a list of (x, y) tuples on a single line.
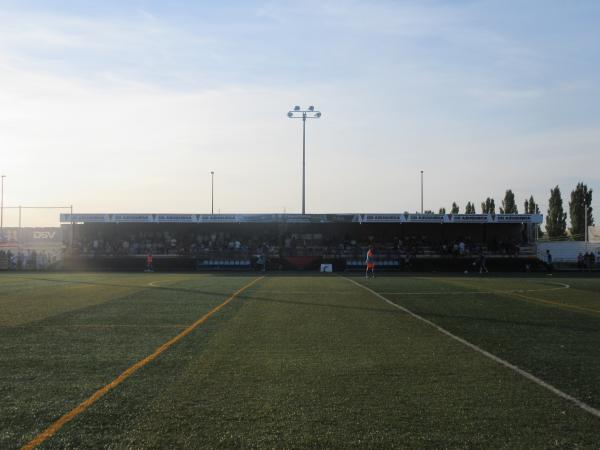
[(468, 218), (31, 237), (301, 218)]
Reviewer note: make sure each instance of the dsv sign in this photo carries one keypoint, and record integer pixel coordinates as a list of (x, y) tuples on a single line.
[(44, 234)]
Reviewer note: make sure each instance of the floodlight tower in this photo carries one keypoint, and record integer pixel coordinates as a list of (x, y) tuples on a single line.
[(299, 113), (2, 204), (212, 192), (421, 192), (585, 223)]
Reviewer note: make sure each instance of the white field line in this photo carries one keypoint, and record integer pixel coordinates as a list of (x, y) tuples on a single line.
[(587, 408), (560, 287)]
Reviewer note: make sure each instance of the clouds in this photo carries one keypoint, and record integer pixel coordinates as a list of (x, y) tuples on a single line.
[(134, 106)]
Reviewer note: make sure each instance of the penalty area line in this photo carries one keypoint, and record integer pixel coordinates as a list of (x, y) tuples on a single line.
[(587, 408), (58, 424)]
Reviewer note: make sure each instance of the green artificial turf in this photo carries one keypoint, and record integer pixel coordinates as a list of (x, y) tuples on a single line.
[(299, 361)]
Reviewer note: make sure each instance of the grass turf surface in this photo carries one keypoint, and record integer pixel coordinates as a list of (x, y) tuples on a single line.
[(298, 361)]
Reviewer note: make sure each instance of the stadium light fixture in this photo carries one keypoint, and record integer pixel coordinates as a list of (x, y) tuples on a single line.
[(298, 113)]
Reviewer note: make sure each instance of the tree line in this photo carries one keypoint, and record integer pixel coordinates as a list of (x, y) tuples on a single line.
[(556, 217)]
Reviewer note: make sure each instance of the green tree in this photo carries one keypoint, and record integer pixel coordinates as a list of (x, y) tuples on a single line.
[(556, 219), (470, 208), (581, 198), (508, 204), (442, 211), (489, 206), (531, 207), (455, 209)]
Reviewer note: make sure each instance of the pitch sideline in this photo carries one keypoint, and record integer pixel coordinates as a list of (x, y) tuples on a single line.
[(64, 419), (587, 408)]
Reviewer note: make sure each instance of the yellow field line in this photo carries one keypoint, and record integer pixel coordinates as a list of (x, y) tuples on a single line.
[(562, 305), (57, 425), (517, 293)]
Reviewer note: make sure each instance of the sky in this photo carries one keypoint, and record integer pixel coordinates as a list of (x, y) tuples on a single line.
[(118, 106)]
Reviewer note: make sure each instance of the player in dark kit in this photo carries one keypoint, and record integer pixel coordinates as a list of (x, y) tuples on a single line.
[(482, 266)]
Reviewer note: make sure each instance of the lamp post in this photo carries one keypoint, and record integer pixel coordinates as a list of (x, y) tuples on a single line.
[(585, 222), (421, 192), (212, 192), (2, 204), (299, 113)]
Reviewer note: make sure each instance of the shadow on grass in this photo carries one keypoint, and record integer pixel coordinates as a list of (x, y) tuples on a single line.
[(323, 305), (489, 320), (138, 286)]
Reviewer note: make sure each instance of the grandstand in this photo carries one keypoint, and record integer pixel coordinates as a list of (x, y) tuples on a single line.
[(402, 241)]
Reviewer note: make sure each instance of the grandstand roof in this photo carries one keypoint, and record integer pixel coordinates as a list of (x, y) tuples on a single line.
[(300, 218)]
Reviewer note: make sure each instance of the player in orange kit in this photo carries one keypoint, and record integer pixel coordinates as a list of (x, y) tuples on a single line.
[(370, 263)]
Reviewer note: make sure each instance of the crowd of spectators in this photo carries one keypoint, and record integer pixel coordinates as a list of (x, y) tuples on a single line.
[(276, 245), (29, 260), (466, 246), (586, 261), (158, 243)]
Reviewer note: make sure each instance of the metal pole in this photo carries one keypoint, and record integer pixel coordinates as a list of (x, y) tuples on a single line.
[(212, 193), (72, 229), (2, 204), (585, 230), (298, 113), (303, 163), (19, 244), (421, 192)]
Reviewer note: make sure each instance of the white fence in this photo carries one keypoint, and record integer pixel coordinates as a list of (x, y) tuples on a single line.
[(567, 251), (594, 234)]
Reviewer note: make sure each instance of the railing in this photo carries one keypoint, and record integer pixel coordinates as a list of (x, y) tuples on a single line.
[(328, 252)]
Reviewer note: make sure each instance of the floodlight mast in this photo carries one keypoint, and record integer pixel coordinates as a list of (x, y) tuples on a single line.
[(299, 113), (2, 204), (212, 192)]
